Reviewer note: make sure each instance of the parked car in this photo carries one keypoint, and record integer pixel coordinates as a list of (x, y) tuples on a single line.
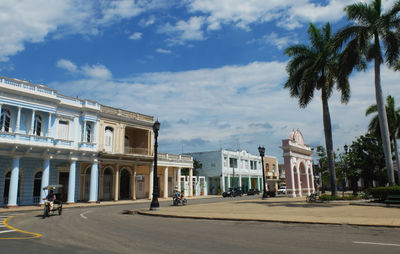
[(253, 191), (233, 192), (282, 190)]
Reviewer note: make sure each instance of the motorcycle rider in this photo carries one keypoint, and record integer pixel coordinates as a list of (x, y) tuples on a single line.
[(50, 200)]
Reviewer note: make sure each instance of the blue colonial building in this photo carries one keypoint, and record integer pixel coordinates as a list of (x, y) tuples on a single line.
[(96, 152), (44, 136)]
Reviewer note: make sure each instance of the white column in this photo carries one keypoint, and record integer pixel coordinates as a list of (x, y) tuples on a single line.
[(49, 125), (174, 182), (134, 182), (292, 180), (312, 179), (13, 189), (84, 139), (116, 185), (1, 129), (179, 178), (17, 126), (151, 180), (298, 181), (45, 179), (190, 182), (228, 180), (308, 182), (166, 182), (94, 184), (240, 180), (222, 183), (249, 182), (96, 133), (71, 182), (76, 130), (31, 131), (258, 183)]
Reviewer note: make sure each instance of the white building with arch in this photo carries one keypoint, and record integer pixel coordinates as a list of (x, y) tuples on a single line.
[(298, 165)]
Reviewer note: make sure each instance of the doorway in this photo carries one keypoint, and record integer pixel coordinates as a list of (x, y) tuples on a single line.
[(63, 180), (124, 185)]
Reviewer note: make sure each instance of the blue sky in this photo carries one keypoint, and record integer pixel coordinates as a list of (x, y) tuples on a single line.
[(211, 71)]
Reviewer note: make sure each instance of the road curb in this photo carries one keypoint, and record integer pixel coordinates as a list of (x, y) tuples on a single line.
[(147, 213)]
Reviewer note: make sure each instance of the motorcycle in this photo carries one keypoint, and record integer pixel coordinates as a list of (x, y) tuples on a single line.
[(179, 199), (57, 204)]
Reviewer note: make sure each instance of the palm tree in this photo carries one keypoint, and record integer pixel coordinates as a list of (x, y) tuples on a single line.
[(372, 32), (312, 68), (393, 116)]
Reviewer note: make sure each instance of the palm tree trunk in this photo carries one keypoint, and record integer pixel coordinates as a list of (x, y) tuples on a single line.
[(396, 152), (328, 141), (383, 124)]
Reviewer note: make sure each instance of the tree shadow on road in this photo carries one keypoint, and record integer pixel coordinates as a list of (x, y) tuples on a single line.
[(294, 204)]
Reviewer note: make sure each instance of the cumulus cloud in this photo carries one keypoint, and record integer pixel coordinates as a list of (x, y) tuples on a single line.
[(280, 42), (184, 31), (216, 114), (147, 22), (163, 51), (136, 36), (67, 65), (95, 71)]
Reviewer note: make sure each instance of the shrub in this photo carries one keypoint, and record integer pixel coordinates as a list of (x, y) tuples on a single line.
[(381, 193), (326, 197)]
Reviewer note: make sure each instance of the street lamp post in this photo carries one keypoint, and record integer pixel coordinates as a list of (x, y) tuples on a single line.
[(154, 202), (261, 150)]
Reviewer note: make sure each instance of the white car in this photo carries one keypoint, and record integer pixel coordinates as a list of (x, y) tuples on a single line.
[(282, 190)]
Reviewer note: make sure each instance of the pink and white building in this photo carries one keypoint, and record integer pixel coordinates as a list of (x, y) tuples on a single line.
[(298, 165)]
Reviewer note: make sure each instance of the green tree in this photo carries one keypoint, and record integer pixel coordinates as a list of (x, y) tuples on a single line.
[(196, 166), (366, 159), (393, 117), (315, 67), (372, 32)]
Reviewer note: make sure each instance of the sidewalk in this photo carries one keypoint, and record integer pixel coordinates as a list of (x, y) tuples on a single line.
[(102, 203), (288, 210)]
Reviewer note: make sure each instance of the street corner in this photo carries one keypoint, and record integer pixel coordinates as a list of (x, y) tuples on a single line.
[(8, 232)]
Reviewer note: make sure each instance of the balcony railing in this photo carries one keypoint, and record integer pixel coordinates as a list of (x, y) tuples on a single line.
[(84, 145), (136, 150), (62, 142)]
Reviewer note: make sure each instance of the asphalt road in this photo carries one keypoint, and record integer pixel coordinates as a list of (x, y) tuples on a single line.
[(111, 230)]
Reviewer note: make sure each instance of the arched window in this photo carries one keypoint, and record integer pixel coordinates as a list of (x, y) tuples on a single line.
[(37, 183), (5, 120), (88, 133), (37, 128), (108, 139)]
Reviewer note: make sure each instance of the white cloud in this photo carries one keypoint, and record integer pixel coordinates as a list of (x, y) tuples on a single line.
[(136, 36), (184, 31), (28, 21), (163, 51), (226, 104), (280, 42), (67, 65), (148, 22), (96, 71)]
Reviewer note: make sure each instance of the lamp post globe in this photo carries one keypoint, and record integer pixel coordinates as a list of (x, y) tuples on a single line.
[(154, 202), (261, 150)]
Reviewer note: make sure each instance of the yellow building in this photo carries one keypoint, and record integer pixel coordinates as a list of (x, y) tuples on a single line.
[(126, 143)]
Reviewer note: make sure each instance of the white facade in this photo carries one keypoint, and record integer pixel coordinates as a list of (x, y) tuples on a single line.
[(225, 169)]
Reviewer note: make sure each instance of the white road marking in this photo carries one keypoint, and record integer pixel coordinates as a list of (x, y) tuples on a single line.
[(83, 216), (3, 226), (6, 231), (383, 244)]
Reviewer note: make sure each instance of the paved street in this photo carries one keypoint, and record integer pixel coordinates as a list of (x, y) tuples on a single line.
[(110, 230)]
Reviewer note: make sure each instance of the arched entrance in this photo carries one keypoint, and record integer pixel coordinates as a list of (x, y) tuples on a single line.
[(298, 162), (107, 184), (125, 181)]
